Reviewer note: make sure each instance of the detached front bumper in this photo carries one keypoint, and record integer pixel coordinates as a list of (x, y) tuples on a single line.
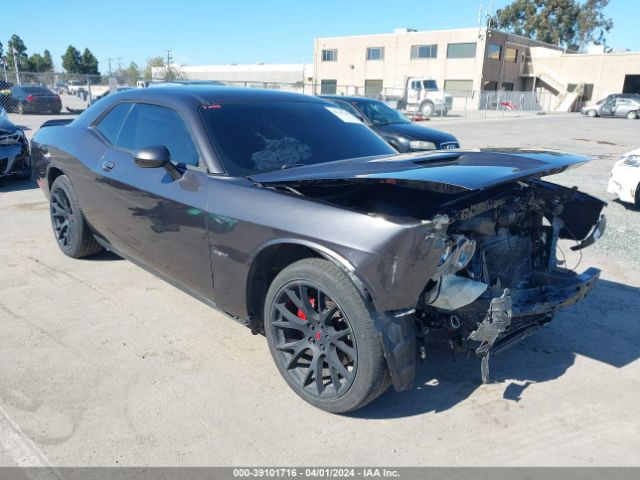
[(518, 313)]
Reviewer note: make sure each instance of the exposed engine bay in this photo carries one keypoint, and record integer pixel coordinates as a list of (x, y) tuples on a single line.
[(499, 277)]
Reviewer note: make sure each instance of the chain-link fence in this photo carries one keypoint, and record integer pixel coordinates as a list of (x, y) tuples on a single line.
[(27, 95)]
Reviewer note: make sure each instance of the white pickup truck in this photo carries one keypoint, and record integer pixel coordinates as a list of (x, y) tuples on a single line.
[(422, 95), (75, 86)]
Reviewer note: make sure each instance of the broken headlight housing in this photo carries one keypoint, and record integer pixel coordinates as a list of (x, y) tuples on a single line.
[(456, 255), (10, 138), (632, 161), (421, 145)]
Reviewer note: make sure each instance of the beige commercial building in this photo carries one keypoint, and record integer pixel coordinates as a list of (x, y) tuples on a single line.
[(464, 61)]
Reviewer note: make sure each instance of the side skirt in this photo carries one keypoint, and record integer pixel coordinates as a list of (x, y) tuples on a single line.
[(107, 246)]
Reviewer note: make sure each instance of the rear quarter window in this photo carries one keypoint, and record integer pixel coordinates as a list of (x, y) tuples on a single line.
[(112, 122)]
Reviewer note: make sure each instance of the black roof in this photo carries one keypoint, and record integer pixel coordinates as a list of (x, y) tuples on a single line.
[(191, 97), (206, 94)]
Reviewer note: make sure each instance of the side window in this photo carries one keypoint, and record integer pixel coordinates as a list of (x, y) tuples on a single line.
[(151, 125), (111, 123)]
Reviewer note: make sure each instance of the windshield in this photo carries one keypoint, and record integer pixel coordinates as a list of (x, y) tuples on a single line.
[(379, 113), (265, 136)]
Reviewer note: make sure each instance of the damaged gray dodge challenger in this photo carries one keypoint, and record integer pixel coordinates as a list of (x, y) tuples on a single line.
[(294, 218)]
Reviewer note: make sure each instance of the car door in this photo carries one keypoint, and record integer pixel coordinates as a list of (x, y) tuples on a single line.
[(146, 214), (608, 107), (622, 107)]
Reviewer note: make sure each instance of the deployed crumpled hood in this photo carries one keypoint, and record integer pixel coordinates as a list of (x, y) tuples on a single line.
[(462, 170)]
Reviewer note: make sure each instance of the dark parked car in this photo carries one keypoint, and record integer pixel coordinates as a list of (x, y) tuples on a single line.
[(14, 150), (34, 99), (306, 226), (614, 106), (401, 133)]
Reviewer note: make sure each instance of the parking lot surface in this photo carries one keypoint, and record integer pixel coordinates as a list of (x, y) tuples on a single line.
[(103, 364)]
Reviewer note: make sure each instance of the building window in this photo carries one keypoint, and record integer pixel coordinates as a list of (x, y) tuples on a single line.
[(458, 88), (508, 86), (328, 87), (372, 88), (330, 55), (490, 85), (375, 53), (461, 50), (511, 55), (494, 51), (424, 51)]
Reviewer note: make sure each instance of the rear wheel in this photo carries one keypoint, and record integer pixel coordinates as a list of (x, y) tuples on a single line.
[(632, 115), (322, 339), (69, 226)]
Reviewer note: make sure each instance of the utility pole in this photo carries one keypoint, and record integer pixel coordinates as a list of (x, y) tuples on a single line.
[(119, 65), (109, 59), (168, 73)]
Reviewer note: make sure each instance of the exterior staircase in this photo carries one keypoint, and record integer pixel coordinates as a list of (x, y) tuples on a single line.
[(565, 95)]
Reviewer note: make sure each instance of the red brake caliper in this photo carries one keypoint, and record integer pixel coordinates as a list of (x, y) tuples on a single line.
[(301, 314)]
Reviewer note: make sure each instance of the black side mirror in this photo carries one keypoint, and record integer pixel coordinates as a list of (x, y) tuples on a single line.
[(152, 157), (155, 157)]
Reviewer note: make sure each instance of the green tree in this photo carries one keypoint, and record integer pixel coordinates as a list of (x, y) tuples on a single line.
[(47, 61), (567, 23), (71, 60), (39, 63), (152, 62), (88, 63), (16, 48), (34, 63), (132, 71)]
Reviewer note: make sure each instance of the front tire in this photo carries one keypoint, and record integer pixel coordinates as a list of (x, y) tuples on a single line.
[(592, 113), (426, 109), (69, 226), (322, 338)]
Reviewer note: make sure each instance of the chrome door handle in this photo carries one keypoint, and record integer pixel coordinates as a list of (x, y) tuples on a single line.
[(107, 165)]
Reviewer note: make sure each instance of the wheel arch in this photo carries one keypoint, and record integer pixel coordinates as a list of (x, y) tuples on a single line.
[(275, 256), (53, 173)]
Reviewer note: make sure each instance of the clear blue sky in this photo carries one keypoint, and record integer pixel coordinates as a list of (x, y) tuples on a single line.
[(243, 31)]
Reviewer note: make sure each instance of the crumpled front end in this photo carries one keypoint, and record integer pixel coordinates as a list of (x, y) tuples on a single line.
[(14, 154), (513, 283)]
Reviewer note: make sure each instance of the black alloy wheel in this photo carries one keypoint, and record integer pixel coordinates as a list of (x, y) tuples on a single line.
[(62, 218), (314, 339), (72, 233), (322, 337)]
